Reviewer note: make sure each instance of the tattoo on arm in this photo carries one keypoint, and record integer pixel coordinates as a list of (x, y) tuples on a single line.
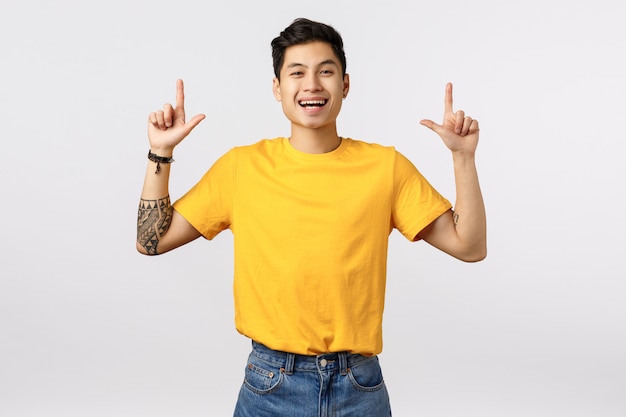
[(153, 220)]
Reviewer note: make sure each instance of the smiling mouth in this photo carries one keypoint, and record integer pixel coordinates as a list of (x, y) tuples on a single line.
[(312, 104)]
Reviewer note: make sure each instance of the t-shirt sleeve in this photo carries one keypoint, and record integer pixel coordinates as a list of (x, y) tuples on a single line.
[(416, 203), (207, 206)]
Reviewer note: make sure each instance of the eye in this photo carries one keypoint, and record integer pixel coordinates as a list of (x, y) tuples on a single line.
[(326, 72), (297, 74)]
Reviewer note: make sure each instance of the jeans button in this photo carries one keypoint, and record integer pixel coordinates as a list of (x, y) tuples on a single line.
[(323, 362)]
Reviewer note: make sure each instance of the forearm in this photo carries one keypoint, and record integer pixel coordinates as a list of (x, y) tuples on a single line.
[(155, 211), (166, 129), (469, 213)]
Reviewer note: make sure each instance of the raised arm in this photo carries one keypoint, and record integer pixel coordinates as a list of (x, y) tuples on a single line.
[(461, 233), (159, 227)]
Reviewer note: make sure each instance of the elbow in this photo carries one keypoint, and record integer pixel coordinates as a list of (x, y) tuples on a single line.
[(475, 258), (476, 254), (144, 251), (140, 249)]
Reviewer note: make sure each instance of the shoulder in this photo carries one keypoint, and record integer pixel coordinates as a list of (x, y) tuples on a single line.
[(369, 148), (381, 155), (262, 144), (262, 147), (361, 144)]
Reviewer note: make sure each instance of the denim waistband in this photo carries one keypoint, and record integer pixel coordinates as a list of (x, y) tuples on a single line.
[(290, 362)]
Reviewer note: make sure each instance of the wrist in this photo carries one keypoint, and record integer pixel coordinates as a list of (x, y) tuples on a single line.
[(162, 152), (159, 159), (463, 156)]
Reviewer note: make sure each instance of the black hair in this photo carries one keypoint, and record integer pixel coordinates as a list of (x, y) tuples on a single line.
[(302, 31)]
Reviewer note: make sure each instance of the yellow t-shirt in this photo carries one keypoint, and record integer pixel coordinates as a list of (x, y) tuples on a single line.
[(311, 233)]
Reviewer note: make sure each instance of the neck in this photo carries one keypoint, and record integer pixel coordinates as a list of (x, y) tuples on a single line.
[(315, 141)]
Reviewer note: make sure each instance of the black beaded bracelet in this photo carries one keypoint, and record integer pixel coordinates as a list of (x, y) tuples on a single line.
[(159, 160)]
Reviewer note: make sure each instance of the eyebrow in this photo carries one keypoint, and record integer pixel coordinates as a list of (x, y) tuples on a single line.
[(321, 64)]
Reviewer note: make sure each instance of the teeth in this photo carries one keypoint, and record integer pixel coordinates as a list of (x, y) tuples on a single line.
[(312, 102)]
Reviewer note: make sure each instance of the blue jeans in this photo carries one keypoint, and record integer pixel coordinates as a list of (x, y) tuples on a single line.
[(280, 384)]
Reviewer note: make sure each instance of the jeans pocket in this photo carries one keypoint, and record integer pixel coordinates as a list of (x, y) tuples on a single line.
[(262, 378), (367, 375)]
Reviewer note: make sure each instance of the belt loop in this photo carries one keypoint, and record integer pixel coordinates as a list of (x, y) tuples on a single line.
[(343, 363), (289, 363)]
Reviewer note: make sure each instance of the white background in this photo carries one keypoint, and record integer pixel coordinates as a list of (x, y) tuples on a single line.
[(90, 328)]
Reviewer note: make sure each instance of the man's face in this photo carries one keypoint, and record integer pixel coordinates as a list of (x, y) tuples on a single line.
[(311, 86)]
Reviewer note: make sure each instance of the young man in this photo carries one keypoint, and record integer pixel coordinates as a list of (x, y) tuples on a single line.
[(311, 216)]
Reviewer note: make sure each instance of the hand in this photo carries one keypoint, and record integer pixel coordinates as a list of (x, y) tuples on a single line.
[(458, 131), (167, 127)]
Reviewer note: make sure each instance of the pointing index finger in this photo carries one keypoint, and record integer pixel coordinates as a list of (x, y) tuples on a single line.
[(180, 95), (448, 98)]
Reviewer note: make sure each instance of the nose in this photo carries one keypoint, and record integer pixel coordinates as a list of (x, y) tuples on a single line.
[(312, 82)]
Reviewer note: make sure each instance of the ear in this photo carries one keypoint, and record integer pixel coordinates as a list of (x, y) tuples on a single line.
[(276, 89), (346, 85)]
